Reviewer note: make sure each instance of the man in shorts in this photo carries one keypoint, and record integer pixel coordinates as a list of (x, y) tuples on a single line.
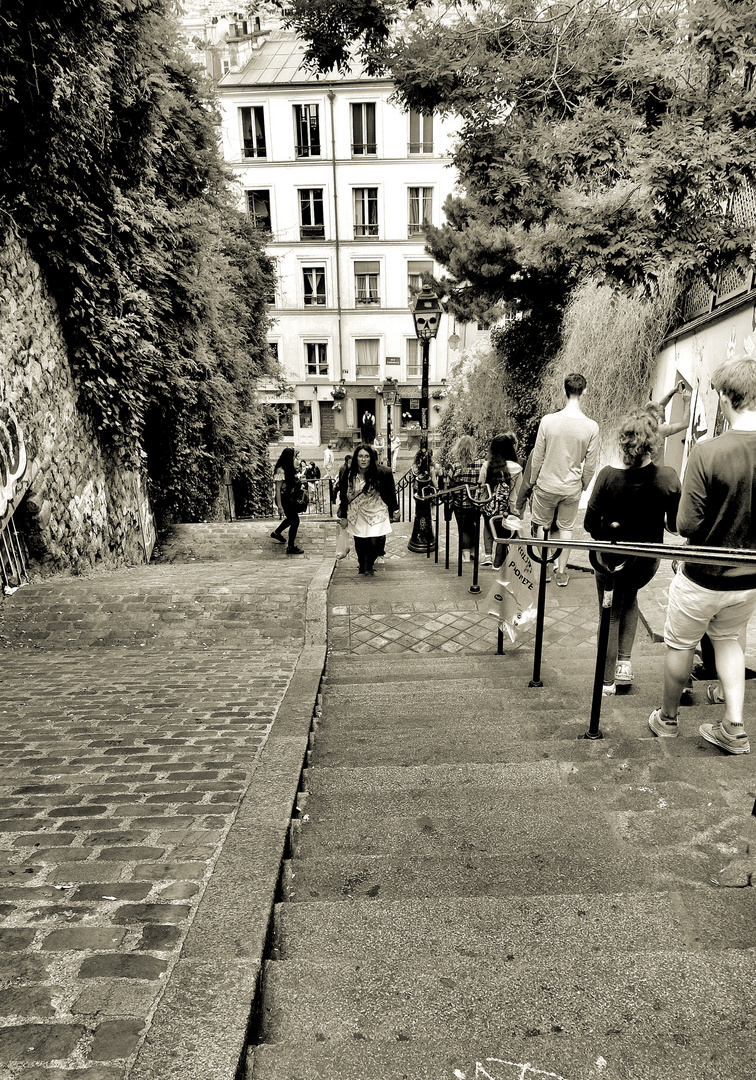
[(562, 467), (716, 510)]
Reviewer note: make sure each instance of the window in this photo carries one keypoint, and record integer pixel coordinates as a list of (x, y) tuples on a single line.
[(365, 211), (317, 358), (314, 285), (367, 282), (284, 421), (258, 208), (305, 414), (417, 271), (307, 127), (420, 209), (414, 359), (363, 129), (366, 356), (421, 133), (253, 132), (273, 346), (311, 221), (411, 412)]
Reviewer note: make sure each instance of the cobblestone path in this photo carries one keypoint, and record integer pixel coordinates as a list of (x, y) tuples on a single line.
[(135, 708)]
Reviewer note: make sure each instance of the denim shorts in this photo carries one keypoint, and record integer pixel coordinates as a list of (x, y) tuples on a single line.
[(693, 611)]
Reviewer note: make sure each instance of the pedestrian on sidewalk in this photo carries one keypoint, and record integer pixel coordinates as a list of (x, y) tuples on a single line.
[(367, 502), (289, 491), (464, 473), (640, 498), (503, 473), (564, 461), (717, 510), (396, 444)]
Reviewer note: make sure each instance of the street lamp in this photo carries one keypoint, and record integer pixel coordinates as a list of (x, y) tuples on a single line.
[(426, 312), (389, 399)]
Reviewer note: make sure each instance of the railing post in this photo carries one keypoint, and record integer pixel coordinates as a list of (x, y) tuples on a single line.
[(438, 507), (594, 731), (543, 559), (475, 587)]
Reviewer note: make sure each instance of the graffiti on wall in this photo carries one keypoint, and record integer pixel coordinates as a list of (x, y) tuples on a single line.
[(13, 461)]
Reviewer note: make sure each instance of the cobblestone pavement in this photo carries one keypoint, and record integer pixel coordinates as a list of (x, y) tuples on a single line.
[(137, 706)]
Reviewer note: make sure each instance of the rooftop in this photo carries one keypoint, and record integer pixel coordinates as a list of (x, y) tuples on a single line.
[(279, 61)]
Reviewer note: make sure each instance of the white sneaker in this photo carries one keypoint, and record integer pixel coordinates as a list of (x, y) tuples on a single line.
[(623, 673), (465, 554), (486, 561), (609, 689)]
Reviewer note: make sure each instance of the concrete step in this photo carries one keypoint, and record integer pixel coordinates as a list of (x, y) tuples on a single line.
[(508, 739), (604, 1056), (484, 926), (480, 927), (649, 994)]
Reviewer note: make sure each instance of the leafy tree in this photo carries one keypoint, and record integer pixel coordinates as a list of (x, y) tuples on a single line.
[(110, 166), (597, 138)]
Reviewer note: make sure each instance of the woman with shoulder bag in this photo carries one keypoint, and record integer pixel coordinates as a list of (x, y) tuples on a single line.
[(367, 502), (290, 499), (503, 473)]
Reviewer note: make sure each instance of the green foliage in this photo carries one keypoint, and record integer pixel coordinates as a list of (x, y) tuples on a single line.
[(110, 166), (613, 338), (597, 139)]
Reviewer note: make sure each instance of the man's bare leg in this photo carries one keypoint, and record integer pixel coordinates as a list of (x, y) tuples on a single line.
[(678, 664), (731, 671)]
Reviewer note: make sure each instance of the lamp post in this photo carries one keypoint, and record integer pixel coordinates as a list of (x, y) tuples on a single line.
[(389, 399), (426, 312)]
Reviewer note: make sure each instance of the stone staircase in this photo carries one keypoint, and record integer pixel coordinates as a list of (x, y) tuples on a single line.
[(473, 891)]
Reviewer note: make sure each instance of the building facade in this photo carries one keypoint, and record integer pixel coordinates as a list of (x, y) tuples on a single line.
[(344, 184)]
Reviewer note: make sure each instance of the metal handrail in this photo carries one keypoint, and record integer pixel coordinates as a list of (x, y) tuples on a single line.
[(549, 550)]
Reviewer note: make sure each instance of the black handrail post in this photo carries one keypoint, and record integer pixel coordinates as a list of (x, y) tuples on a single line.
[(459, 546), (544, 560), (435, 557), (594, 731), (475, 587), (500, 642), (447, 519)]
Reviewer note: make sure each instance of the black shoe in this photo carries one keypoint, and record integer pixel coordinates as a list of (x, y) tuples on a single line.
[(294, 550), (277, 536)]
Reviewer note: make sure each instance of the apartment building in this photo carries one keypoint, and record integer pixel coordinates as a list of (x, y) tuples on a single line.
[(344, 184)]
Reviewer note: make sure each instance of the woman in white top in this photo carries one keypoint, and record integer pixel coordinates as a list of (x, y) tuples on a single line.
[(367, 501), (503, 473)]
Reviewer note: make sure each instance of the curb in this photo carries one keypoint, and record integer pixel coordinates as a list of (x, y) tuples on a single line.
[(200, 1026)]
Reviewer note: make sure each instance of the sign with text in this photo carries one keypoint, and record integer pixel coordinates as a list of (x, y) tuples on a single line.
[(393, 360)]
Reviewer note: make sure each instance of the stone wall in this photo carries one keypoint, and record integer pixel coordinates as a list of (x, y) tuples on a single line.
[(74, 504)]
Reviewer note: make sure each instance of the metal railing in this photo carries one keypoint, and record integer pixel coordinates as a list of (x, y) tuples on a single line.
[(550, 550), (13, 559)]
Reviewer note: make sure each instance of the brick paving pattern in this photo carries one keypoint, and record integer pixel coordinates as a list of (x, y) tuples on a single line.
[(135, 707)]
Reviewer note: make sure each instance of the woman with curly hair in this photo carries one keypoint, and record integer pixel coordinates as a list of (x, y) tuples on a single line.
[(367, 502), (640, 498)]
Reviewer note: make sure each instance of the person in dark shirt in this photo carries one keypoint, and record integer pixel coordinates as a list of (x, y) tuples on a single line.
[(631, 502), (716, 509)]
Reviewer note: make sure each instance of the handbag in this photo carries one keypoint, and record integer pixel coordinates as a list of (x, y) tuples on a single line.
[(342, 544), (300, 498)]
